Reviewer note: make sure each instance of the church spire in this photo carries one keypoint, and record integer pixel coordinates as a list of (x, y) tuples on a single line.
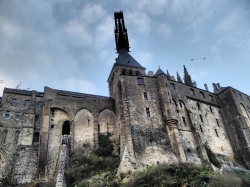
[(179, 78), (187, 77), (121, 35)]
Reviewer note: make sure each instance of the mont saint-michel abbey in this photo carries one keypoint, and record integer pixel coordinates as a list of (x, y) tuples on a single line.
[(153, 118)]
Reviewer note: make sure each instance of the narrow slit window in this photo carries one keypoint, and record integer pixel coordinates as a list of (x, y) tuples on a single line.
[(39, 104), (88, 122), (145, 96), (147, 112), (180, 104), (216, 132), (184, 120), (201, 118), (52, 114), (198, 105), (211, 110), (36, 137), (4, 136), (201, 129), (16, 137), (217, 121)]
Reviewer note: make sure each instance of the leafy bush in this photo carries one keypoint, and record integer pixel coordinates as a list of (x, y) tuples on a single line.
[(212, 158), (105, 147), (171, 176)]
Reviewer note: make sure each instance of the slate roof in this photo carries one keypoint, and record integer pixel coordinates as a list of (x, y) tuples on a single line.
[(79, 95), (124, 58), (159, 72)]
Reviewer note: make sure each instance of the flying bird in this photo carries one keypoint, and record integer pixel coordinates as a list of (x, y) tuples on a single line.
[(192, 59), (204, 58)]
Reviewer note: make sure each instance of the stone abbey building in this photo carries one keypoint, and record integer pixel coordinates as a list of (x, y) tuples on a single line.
[(153, 118)]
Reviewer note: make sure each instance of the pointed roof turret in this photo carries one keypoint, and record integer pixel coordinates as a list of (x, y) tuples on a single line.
[(168, 75), (159, 72), (179, 78), (187, 77)]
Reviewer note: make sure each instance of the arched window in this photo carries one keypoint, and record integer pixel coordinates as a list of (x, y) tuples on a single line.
[(66, 128), (36, 137), (4, 136), (16, 137)]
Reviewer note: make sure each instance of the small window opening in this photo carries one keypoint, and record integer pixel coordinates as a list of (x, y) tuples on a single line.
[(36, 137), (7, 114), (198, 105), (168, 111), (192, 91), (202, 95), (201, 118), (66, 128), (211, 110), (217, 121), (13, 102), (52, 114), (147, 112), (88, 122), (39, 104), (4, 136), (184, 120), (140, 81), (168, 93), (216, 132), (27, 103), (16, 137), (145, 96), (180, 104), (241, 96), (23, 149), (188, 150), (172, 86), (17, 115), (128, 62), (201, 128), (52, 126), (210, 97)]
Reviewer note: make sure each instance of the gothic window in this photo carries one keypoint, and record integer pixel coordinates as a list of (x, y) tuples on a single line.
[(202, 95), (172, 86), (36, 137), (145, 96), (4, 136), (147, 112), (16, 137), (192, 91), (18, 116), (7, 114), (140, 81)]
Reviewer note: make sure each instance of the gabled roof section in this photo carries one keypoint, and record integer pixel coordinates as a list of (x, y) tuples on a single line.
[(79, 95), (159, 72), (124, 58)]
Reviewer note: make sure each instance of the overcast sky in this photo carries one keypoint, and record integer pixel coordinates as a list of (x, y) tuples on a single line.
[(70, 45)]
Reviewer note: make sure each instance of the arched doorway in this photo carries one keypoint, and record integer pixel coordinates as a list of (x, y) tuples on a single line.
[(66, 128)]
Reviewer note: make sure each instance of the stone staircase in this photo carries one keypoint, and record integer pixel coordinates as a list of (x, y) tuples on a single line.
[(63, 162)]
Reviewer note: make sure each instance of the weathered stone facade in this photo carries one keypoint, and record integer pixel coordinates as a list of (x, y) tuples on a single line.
[(153, 119)]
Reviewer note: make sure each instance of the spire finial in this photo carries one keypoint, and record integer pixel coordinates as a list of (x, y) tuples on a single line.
[(121, 35), (187, 77), (159, 67)]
